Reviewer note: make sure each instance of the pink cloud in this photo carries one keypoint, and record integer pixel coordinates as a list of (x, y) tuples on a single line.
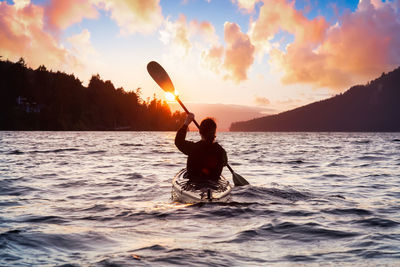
[(24, 28), (278, 15), (235, 59), (22, 35), (63, 13), (363, 43), (239, 53)]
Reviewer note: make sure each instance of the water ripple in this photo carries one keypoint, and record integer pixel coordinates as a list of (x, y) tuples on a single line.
[(103, 199)]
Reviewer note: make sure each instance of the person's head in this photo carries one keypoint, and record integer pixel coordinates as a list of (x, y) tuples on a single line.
[(208, 128)]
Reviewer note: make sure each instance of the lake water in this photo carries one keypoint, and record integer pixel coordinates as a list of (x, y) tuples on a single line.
[(103, 199)]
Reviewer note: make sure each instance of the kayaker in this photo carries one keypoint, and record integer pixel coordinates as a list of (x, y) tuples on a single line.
[(206, 158)]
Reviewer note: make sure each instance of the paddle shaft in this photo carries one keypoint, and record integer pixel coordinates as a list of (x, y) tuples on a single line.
[(186, 110)]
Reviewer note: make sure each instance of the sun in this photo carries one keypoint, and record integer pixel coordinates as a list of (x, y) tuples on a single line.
[(170, 96)]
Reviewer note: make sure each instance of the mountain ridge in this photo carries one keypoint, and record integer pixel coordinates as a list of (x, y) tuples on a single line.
[(372, 107)]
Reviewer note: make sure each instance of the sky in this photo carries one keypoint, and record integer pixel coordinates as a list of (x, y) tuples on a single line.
[(229, 59)]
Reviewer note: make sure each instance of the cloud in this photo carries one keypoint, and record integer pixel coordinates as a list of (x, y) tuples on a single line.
[(82, 48), (134, 16), (205, 30), (247, 5), (239, 53), (184, 35), (21, 3), (63, 13), (32, 31), (262, 101), (360, 46), (177, 34), (234, 60), (22, 34), (276, 15), (131, 16), (89, 59), (213, 58)]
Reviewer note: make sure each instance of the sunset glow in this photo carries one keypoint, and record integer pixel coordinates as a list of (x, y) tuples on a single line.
[(269, 55), (169, 96)]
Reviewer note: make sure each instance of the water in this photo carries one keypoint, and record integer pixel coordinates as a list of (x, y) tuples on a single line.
[(103, 199)]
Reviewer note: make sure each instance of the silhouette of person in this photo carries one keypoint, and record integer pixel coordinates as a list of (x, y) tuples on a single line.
[(206, 158)]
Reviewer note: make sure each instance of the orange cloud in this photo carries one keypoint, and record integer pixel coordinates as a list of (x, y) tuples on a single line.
[(262, 101), (360, 46), (239, 54), (63, 13), (233, 61), (131, 15), (24, 28), (278, 15), (22, 35), (134, 15)]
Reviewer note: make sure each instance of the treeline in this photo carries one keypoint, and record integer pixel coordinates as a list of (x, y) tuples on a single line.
[(45, 100), (371, 108)]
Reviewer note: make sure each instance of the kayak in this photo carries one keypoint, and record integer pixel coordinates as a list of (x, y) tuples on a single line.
[(185, 191)]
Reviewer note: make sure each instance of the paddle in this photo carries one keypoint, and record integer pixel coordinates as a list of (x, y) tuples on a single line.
[(161, 77)]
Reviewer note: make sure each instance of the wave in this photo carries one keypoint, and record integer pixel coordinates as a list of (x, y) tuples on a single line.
[(297, 258), (353, 211), (264, 192), (32, 239), (129, 144), (333, 175), (95, 152), (134, 175), (298, 161), (15, 152), (71, 184), (361, 142), (18, 152), (96, 208), (372, 158), (308, 232), (162, 255), (376, 222), (16, 190), (43, 219)]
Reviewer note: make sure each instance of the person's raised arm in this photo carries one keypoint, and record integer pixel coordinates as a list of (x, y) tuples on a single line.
[(180, 137)]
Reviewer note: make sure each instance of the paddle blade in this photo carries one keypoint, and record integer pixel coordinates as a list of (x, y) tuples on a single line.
[(160, 76), (238, 180)]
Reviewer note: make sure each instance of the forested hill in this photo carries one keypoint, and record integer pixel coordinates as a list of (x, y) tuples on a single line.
[(372, 107), (45, 100)]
